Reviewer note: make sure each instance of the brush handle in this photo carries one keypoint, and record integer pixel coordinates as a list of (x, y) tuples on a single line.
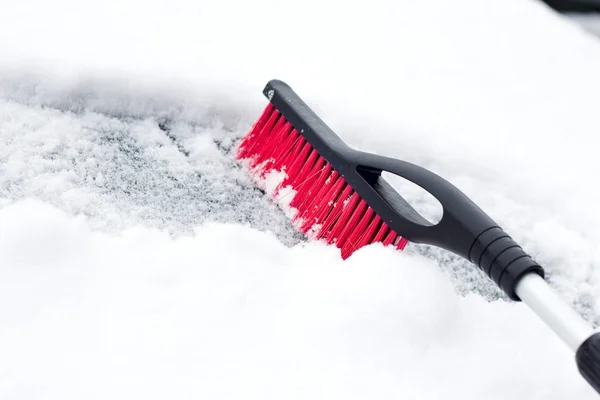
[(464, 229)]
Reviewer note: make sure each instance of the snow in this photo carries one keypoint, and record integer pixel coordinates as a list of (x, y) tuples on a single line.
[(589, 22), (233, 313), (138, 260)]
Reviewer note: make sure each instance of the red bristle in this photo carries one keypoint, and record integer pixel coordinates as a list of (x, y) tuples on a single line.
[(307, 167), (371, 231), (282, 157), (328, 199), (262, 134), (275, 146), (305, 187), (356, 209), (313, 183), (333, 187), (260, 139), (362, 234), (284, 143), (297, 166), (381, 233), (326, 204), (336, 212), (402, 243), (390, 238), (345, 216), (244, 148), (290, 157), (302, 183), (313, 205), (269, 141)]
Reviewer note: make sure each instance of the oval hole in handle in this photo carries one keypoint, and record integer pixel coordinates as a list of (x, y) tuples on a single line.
[(423, 202)]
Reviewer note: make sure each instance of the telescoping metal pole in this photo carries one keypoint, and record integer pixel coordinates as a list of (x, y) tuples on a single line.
[(534, 291)]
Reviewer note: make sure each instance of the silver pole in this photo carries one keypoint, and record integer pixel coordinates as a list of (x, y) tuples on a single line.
[(533, 290)]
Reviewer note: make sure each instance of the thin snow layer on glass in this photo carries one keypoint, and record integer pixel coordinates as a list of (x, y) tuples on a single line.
[(122, 169), (137, 259)]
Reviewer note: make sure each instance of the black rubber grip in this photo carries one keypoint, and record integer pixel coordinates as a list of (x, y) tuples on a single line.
[(463, 229), (588, 360), (502, 259)]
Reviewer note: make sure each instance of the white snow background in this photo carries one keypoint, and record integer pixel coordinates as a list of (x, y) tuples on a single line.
[(138, 260)]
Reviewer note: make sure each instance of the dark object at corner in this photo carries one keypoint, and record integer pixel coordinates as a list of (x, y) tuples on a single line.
[(587, 360), (574, 6)]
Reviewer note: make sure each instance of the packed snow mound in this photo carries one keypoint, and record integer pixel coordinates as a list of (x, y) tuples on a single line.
[(233, 313)]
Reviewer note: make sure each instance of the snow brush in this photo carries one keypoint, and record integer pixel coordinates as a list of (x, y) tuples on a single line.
[(337, 194)]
